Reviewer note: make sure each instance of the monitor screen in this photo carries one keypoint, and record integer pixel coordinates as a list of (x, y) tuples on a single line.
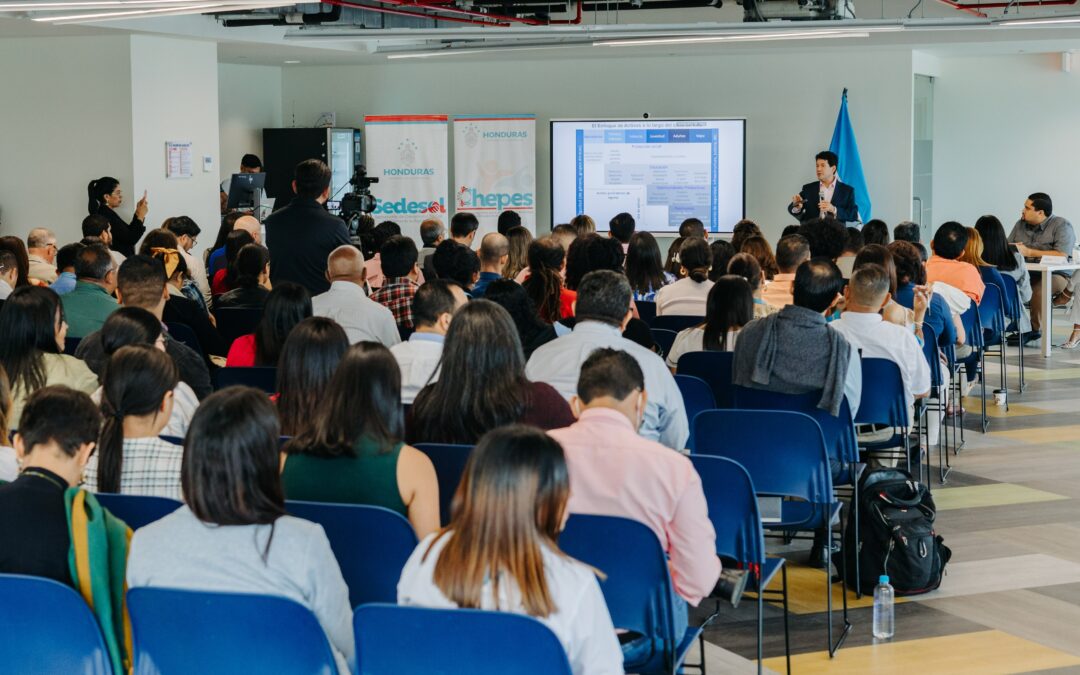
[(659, 171)]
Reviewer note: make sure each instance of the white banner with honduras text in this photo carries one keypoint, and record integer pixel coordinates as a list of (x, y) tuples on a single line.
[(495, 168), (409, 156)]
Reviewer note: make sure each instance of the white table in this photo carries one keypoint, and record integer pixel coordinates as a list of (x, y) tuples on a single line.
[(1047, 308)]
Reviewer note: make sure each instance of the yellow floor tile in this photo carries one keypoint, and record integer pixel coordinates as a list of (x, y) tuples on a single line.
[(1069, 432), (995, 494), (985, 652), (971, 404), (1056, 374), (806, 592)]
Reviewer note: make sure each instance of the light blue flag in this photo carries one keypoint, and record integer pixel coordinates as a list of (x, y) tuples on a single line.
[(848, 165)]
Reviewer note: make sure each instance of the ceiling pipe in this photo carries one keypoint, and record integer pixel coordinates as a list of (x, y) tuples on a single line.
[(309, 19), (416, 15)]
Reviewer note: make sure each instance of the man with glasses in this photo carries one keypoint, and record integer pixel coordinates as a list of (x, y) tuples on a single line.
[(41, 245), (187, 233)]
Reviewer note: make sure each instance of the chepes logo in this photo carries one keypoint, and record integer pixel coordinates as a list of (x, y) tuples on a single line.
[(405, 206), (472, 198)]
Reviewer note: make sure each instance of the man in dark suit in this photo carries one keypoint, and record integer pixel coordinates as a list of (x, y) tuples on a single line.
[(825, 197), (301, 235)]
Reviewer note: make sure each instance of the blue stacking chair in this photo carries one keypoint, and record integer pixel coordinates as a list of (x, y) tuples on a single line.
[(71, 344), (181, 332), (260, 377), (371, 544), (449, 461), (391, 639), (664, 339), (714, 368), (232, 322), (137, 510), (697, 396), (993, 318), (1014, 312), (976, 361), (677, 322), (175, 440), (646, 309), (177, 631), (937, 388), (638, 588), (733, 511), (46, 627), (786, 455), (885, 403)]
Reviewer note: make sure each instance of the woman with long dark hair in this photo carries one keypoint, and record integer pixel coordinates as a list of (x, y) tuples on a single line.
[(500, 550), (747, 267), (250, 281), (105, 196), (32, 333), (184, 308), (16, 247), (308, 360), (876, 232), (722, 253), (224, 279), (233, 534), (1009, 261), (688, 296), (729, 308), (644, 267), (352, 452), (482, 383), (531, 330), (518, 260), (286, 306), (547, 263), (136, 403)]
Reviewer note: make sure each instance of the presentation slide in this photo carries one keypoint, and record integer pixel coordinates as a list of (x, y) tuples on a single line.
[(659, 171)]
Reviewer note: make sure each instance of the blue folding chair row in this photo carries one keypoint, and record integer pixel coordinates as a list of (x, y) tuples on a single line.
[(885, 403), (715, 369), (449, 461)]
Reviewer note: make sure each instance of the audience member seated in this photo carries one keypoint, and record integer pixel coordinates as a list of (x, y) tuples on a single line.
[(910, 274), (181, 309), (1007, 258), (65, 265), (583, 224), (225, 278), (96, 230), (482, 383), (589, 253), (515, 300), (795, 352), (688, 295), (136, 403), (352, 453), (671, 262), (15, 247), (402, 279), (621, 228), (722, 253), (945, 265), (644, 267), (693, 227), (418, 357), (32, 332), (826, 237), (251, 281), (908, 231), (141, 283), (91, 302), (852, 245), (233, 534), (603, 310), (187, 233), (432, 233), (743, 230), (458, 263), (547, 263), (516, 477), (308, 360), (746, 266), (286, 306), (758, 246), (373, 267), (494, 254), (363, 319), (729, 308), (791, 251), (9, 274), (876, 254), (463, 227), (517, 263), (58, 430), (565, 234), (235, 220), (9, 465), (41, 250), (162, 239), (876, 232), (507, 220), (973, 254)]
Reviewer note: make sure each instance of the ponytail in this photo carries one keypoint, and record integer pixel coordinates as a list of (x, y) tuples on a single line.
[(110, 447), (96, 191)]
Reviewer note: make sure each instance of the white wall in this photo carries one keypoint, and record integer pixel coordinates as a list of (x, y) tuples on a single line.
[(249, 100), (65, 117), (789, 99), (1004, 127)]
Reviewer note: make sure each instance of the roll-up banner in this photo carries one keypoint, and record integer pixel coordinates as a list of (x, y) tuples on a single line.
[(408, 154), (495, 168)]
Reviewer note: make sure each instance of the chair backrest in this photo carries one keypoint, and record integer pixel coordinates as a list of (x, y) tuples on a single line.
[(714, 368), (839, 431), (664, 339), (177, 631), (637, 587), (883, 399), (232, 322), (175, 440), (733, 508), (260, 377), (46, 627), (931, 353), (783, 451), (696, 394), (992, 314), (371, 544), (646, 309), (181, 332), (137, 510), (972, 323), (677, 322), (449, 461), (71, 344), (392, 639), (1013, 304)]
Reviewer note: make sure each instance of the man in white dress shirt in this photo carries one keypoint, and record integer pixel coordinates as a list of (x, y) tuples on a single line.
[(362, 318), (603, 310), (433, 308)]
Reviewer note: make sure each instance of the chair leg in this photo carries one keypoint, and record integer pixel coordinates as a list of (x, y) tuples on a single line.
[(1023, 383), (982, 387), (787, 631), (843, 594), (760, 625), (854, 512)]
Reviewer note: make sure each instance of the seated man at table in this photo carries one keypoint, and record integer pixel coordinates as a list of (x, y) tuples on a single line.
[(1039, 233)]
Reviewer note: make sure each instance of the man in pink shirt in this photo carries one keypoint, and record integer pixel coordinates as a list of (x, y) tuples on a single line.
[(945, 266), (616, 472), (791, 251)]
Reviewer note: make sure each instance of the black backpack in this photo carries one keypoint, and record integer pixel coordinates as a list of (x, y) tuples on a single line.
[(896, 523)]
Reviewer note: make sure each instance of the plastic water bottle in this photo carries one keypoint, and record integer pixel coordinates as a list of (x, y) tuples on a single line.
[(883, 609)]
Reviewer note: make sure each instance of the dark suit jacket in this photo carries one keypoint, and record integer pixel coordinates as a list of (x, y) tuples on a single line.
[(300, 237), (124, 235), (187, 311), (843, 199)]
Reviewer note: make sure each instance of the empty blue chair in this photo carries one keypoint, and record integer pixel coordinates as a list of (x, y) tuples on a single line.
[(449, 461), (638, 588), (733, 511), (1014, 312), (993, 317), (260, 377), (181, 332), (646, 309), (371, 545), (137, 510), (176, 631), (392, 640), (975, 362), (884, 402), (232, 322), (664, 339), (677, 322), (714, 368), (696, 396), (46, 627)]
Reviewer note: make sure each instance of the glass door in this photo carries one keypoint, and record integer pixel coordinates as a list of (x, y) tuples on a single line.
[(922, 200)]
